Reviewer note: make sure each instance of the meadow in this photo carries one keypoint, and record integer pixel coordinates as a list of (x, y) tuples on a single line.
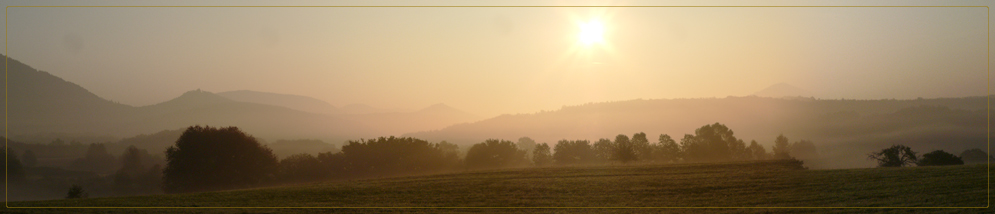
[(714, 188)]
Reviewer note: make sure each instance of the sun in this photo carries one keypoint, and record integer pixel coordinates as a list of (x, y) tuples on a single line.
[(591, 32)]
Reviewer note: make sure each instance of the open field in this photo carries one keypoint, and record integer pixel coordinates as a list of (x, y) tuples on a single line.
[(750, 184)]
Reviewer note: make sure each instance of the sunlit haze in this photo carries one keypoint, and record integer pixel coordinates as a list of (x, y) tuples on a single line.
[(490, 61)]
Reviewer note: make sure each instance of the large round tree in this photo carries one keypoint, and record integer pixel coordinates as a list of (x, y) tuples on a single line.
[(208, 158)]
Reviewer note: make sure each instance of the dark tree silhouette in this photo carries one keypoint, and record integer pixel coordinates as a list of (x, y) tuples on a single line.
[(939, 158), (450, 152), (300, 168), (667, 149), (387, 156), (603, 150), (30, 160), (541, 155), (894, 156), (76, 191), (624, 151), (573, 152), (208, 158), (644, 151), (975, 156), (714, 142), (494, 153), (781, 147), (757, 152), (738, 150), (15, 171)]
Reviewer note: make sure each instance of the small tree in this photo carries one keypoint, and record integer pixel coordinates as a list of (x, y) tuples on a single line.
[(603, 150), (541, 155), (667, 149), (573, 152), (939, 158), (758, 152), (894, 156), (641, 145), (494, 153), (76, 191), (624, 150), (781, 147)]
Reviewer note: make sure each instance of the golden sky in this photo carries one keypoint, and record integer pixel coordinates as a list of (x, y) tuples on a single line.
[(491, 61)]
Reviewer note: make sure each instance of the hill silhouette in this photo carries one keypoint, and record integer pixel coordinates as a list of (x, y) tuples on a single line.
[(40, 104), (296, 102)]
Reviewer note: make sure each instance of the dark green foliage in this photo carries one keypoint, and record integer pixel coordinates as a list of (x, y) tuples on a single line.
[(894, 156), (781, 147), (624, 151), (386, 156), (494, 153), (76, 191), (208, 158), (975, 156), (541, 155), (573, 152), (300, 168), (939, 158)]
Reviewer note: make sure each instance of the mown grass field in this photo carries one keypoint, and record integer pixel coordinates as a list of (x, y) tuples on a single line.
[(584, 189)]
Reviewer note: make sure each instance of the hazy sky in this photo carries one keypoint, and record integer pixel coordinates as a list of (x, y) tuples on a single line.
[(489, 61)]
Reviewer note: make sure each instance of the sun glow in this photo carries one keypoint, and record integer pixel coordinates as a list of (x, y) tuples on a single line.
[(592, 32)]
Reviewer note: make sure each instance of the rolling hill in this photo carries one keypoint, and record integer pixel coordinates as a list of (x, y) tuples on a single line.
[(40, 104)]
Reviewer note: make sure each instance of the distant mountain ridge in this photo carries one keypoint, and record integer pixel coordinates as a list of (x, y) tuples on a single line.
[(39, 103)]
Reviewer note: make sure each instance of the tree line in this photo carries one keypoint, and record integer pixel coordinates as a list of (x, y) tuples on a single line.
[(219, 158), (211, 158)]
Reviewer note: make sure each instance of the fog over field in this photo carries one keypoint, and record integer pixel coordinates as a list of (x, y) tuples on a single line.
[(126, 101)]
